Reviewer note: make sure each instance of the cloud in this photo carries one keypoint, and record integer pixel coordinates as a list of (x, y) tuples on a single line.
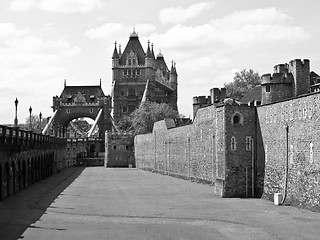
[(22, 5), (177, 15), (9, 30), (57, 6), (118, 31), (238, 30), (30, 65)]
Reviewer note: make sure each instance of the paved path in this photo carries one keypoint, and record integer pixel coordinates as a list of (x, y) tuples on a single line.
[(132, 204)]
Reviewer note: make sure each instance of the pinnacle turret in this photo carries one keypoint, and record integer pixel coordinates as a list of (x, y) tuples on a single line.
[(115, 51)]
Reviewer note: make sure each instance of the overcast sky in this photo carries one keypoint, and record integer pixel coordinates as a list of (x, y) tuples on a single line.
[(43, 42)]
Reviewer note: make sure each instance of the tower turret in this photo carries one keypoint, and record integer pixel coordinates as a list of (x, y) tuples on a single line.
[(173, 76), (115, 56), (149, 61)]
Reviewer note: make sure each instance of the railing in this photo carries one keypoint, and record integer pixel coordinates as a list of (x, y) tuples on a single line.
[(17, 139)]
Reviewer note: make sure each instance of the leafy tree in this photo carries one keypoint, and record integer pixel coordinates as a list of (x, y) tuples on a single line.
[(35, 123), (243, 81), (142, 119)]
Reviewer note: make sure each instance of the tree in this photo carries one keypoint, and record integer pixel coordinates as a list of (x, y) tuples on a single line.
[(243, 81), (142, 119), (35, 123)]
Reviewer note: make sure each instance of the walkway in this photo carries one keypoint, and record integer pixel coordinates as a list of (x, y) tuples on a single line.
[(132, 204)]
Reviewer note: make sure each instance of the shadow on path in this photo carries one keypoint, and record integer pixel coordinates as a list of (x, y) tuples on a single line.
[(24, 208)]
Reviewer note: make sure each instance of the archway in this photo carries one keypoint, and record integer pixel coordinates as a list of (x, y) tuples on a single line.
[(24, 174), (7, 178), (77, 102), (19, 173), (32, 171), (92, 149), (1, 182), (13, 169)]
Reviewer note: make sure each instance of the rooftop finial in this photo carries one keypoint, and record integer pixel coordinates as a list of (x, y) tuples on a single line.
[(100, 82), (134, 34), (65, 82)]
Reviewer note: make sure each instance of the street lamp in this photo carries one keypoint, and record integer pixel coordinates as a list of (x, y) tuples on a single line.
[(16, 118), (40, 117), (30, 111)]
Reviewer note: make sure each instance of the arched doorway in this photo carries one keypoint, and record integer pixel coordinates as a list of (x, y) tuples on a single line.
[(24, 174), (7, 178), (1, 182), (92, 149), (19, 173), (13, 169)]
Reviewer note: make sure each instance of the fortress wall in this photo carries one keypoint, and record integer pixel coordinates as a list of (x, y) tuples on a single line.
[(290, 133), (183, 151)]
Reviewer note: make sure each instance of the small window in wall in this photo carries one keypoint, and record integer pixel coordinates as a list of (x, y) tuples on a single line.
[(237, 118), (91, 110), (127, 147), (114, 147), (124, 109), (233, 143), (268, 88), (122, 93), (248, 143), (68, 110)]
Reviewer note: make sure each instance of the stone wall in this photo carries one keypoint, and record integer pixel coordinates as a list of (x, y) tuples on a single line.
[(291, 141), (202, 151), (119, 150), (183, 151)]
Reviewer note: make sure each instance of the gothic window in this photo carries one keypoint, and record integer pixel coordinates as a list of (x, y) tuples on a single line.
[(125, 72), (233, 143), (133, 72), (129, 72), (129, 61), (133, 61), (248, 143), (138, 72)]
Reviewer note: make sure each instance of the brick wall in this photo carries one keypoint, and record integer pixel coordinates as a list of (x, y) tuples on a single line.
[(291, 141)]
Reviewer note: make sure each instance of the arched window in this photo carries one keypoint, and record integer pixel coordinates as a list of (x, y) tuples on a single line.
[(237, 118)]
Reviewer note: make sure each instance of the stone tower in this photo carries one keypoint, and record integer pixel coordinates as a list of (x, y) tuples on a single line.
[(288, 80), (130, 71)]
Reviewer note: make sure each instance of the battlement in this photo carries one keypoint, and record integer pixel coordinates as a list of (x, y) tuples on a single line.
[(277, 78), (201, 100), (217, 94)]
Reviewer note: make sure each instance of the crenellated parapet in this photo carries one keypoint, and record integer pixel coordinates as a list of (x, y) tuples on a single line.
[(288, 80)]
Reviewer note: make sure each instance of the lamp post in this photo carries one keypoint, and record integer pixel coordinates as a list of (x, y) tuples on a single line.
[(30, 111), (40, 117), (16, 118)]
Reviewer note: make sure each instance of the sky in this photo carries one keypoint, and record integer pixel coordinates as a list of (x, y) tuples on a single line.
[(44, 42)]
